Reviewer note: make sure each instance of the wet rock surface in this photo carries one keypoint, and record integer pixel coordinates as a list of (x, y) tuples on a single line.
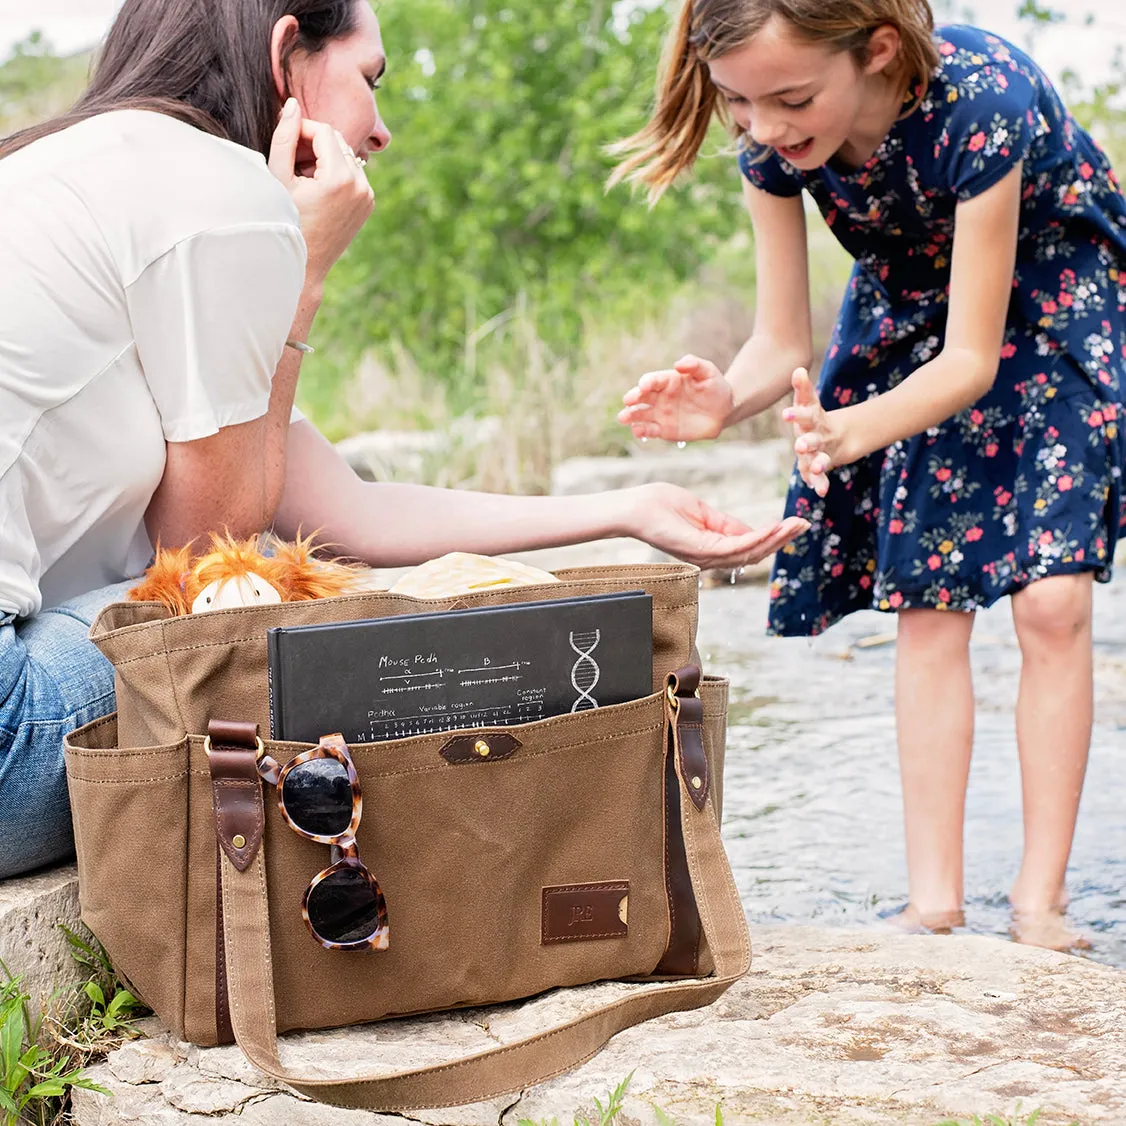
[(813, 818)]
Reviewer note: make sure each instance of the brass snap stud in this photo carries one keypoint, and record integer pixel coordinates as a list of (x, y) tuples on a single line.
[(482, 748), (697, 781), (238, 840)]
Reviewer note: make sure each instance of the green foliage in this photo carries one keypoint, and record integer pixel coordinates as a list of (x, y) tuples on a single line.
[(1016, 1119), (111, 1009), (615, 1104), (604, 1116), (493, 187), (35, 82), (32, 1079), (1039, 12)]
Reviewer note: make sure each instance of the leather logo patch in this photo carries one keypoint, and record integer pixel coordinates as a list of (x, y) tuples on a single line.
[(581, 912)]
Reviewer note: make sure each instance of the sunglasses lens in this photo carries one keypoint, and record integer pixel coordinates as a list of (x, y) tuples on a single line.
[(318, 797), (346, 906)]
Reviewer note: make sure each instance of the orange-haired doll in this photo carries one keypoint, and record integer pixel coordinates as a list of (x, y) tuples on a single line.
[(256, 571)]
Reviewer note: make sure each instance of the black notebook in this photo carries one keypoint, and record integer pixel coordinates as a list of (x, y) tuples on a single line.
[(388, 678)]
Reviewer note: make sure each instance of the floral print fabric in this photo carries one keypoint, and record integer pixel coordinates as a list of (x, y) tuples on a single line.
[(1028, 481)]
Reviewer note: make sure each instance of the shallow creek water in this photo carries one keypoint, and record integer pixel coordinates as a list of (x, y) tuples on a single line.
[(812, 816)]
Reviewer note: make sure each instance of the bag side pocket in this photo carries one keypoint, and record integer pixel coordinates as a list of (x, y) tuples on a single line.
[(130, 829)]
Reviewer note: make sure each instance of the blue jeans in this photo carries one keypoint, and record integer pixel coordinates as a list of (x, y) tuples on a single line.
[(52, 680)]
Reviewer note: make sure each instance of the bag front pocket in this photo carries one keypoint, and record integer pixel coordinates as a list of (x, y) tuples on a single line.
[(504, 874)]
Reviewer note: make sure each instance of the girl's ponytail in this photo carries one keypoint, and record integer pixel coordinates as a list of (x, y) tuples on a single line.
[(686, 100)]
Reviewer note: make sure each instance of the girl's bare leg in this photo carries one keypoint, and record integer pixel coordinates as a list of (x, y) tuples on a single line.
[(934, 707), (1054, 714)]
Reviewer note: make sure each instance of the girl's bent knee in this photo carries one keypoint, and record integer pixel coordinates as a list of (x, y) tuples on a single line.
[(1058, 608)]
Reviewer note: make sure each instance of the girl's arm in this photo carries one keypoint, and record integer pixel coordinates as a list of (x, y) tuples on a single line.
[(694, 399), (783, 335), (981, 284), (394, 525)]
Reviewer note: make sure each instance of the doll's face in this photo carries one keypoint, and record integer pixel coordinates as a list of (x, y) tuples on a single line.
[(247, 589), (800, 98)]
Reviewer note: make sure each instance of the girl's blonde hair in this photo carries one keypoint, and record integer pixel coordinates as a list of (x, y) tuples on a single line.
[(709, 29)]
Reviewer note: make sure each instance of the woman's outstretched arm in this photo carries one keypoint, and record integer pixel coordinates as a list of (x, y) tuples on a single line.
[(392, 525)]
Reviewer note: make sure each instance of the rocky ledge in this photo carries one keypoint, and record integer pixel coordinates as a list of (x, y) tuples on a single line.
[(831, 1026)]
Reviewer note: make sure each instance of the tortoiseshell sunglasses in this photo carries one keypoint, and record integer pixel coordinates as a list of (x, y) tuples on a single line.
[(319, 797)]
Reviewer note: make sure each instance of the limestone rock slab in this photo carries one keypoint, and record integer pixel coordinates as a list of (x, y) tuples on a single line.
[(831, 1026), (31, 941)]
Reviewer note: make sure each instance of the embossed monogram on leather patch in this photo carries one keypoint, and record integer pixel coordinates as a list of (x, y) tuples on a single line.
[(581, 912)]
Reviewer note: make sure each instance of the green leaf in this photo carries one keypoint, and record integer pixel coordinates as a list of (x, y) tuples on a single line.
[(49, 1089), (11, 1041)]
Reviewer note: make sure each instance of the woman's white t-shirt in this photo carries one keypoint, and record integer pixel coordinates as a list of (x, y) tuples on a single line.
[(149, 275)]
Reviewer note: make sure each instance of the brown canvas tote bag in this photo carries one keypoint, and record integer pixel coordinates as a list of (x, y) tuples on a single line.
[(588, 851)]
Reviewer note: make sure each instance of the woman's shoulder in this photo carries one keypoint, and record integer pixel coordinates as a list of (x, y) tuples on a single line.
[(138, 150), (151, 182)]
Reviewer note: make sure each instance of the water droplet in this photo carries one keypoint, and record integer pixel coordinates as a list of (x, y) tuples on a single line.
[(681, 445), (643, 440), (734, 576)]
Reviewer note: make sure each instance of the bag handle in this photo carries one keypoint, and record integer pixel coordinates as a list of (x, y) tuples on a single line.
[(536, 1058)]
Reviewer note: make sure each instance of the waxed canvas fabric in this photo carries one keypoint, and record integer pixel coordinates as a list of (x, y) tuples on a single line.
[(462, 852)]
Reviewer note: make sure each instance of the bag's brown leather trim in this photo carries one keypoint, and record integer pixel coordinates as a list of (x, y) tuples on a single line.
[(689, 734), (488, 746), (236, 789), (224, 1033), (580, 912), (682, 954)]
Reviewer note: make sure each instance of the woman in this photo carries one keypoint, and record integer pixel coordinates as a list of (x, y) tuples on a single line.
[(158, 282)]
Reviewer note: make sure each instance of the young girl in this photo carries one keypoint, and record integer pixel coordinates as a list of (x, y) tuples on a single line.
[(965, 441)]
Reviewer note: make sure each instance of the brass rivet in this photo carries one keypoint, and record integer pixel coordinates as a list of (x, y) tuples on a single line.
[(697, 782), (238, 840), (482, 748)]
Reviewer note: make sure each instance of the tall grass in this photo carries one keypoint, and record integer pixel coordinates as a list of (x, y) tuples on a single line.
[(515, 408)]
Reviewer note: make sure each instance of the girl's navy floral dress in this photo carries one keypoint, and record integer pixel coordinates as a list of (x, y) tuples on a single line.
[(1028, 481)]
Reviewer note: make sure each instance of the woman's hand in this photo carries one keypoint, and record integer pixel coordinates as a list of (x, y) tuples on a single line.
[(816, 440), (328, 184), (674, 520), (688, 402)]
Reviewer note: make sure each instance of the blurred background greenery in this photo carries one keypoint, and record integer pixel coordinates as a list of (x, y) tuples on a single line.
[(497, 279)]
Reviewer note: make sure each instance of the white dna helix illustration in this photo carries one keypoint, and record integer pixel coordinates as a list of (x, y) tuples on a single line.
[(585, 671)]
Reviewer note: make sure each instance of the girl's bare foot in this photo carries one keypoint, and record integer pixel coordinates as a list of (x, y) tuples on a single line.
[(1047, 927), (910, 920)]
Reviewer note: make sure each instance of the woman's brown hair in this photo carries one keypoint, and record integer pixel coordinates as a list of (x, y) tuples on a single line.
[(206, 62), (709, 29)]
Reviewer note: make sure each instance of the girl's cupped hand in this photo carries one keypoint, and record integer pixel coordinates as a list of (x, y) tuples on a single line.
[(815, 436), (684, 403)]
